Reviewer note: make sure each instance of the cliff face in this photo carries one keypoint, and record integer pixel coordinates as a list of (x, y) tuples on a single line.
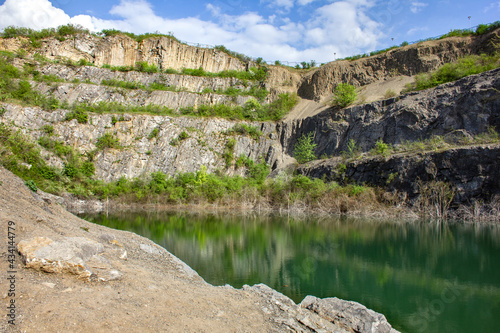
[(469, 106), (457, 110), (124, 51), (140, 154), (408, 60)]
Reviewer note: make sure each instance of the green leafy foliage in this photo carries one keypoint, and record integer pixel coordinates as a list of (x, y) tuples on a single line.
[(228, 154), (453, 71), (60, 32), (154, 133), (381, 148), (31, 185), (244, 129), (108, 140), (304, 149), (78, 113), (344, 95)]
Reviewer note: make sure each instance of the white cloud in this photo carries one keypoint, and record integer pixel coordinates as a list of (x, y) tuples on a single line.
[(305, 2), (417, 6), (413, 31), (342, 27), (492, 6), (34, 14)]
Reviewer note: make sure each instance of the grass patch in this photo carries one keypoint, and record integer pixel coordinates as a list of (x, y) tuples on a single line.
[(466, 66), (108, 140), (244, 129)]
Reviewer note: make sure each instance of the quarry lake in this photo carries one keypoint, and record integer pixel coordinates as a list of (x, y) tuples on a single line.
[(423, 276)]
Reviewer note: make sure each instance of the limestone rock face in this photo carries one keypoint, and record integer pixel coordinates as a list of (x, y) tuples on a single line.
[(470, 105), (124, 51), (408, 60), (74, 255), (182, 82)]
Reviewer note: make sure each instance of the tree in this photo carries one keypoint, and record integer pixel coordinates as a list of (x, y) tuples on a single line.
[(345, 94), (304, 149)]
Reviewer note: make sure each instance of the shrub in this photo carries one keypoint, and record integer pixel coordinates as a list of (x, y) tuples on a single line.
[(304, 149), (31, 185), (79, 114), (244, 129), (154, 133), (381, 148), (228, 154), (107, 141), (344, 95)]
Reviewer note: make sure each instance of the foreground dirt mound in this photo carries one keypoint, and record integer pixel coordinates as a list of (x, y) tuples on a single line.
[(74, 276)]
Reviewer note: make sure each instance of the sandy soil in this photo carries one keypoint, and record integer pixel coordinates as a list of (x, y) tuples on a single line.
[(157, 292)]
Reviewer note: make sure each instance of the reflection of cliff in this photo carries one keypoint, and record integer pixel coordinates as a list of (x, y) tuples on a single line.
[(334, 255)]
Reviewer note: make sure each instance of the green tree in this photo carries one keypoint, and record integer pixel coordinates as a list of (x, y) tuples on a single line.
[(345, 94), (304, 149)]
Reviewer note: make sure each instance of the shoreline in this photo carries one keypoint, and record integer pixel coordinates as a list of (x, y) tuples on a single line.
[(118, 278)]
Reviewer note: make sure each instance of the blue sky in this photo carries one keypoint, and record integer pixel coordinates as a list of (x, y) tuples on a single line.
[(286, 30)]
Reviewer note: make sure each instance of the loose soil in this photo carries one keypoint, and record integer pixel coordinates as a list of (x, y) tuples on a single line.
[(157, 292)]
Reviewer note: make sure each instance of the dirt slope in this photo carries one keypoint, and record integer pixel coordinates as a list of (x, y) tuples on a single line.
[(156, 293)]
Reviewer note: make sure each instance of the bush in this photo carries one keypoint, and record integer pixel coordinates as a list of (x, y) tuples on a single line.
[(304, 149), (381, 148), (31, 185), (244, 129), (344, 95), (107, 141), (80, 115), (154, 133)]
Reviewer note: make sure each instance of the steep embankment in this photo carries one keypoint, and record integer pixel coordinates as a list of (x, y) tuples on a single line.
[(452, 115)]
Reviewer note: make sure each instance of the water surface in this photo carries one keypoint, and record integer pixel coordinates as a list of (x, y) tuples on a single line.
[(424, 277)]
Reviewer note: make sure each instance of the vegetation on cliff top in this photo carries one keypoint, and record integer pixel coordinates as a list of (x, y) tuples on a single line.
[(480, 30), (469, 65)]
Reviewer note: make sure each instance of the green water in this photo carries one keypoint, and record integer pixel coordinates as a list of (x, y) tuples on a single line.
[(425, 277)]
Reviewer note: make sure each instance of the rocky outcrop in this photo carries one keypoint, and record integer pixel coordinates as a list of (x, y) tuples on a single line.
[(96, 75), (74, 255), (468, 106), (471, 172), (141, 154), (408, 60), (319, 315), (122, 50), (93, 94)]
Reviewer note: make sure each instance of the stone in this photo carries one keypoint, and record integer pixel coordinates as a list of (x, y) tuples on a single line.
[(319, 315), (350, 315), (75, 255)]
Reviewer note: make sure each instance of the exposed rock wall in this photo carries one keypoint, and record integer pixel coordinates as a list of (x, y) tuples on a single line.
[(124, 51), (141, 155), (473, 172), (96, 75), (408, 60), (468, 106), (93, 94)]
